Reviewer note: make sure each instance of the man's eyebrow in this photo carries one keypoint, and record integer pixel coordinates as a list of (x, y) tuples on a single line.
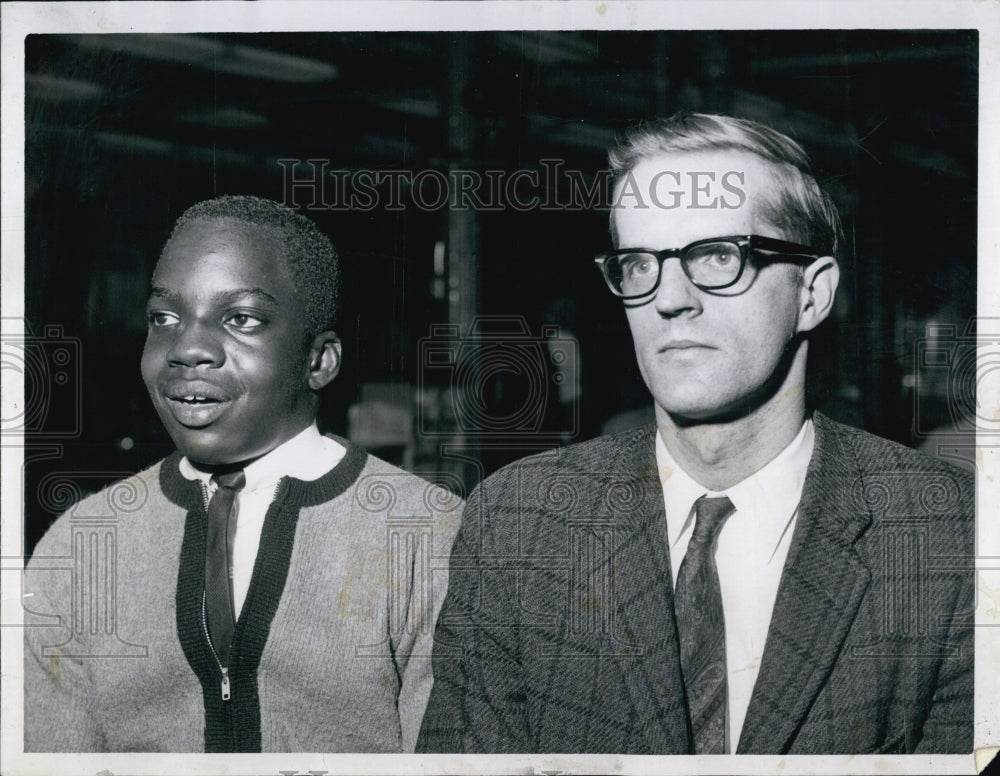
[(236, 294), (220, 297), (158, 292)]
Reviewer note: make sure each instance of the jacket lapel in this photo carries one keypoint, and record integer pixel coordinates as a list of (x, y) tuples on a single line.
[(821, 588), (648, 653)]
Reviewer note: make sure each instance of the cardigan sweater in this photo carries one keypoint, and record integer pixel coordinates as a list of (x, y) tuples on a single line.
[(331, 650)]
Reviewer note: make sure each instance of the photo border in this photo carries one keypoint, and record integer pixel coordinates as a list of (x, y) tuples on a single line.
[(21, 19)]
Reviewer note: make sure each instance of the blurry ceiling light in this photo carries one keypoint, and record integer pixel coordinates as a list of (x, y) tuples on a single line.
[(813, 129), (425, 107), (52, 87), (149, 146), (227, 118), (796, 64), (214, 55), (133, 144), (548, 47), (808, 127)]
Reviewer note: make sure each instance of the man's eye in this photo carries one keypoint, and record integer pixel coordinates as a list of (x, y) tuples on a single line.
[(639, 266), (244, 321), (713, 256), (161, 318)]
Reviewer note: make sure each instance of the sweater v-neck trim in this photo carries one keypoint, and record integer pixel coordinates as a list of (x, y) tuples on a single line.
[(233, 725), (302, 493)]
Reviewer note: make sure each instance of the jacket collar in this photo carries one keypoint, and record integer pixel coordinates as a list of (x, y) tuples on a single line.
[(821, 588), (649, 654)]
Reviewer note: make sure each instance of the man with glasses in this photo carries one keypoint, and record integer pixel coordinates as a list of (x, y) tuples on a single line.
[(743, 576)]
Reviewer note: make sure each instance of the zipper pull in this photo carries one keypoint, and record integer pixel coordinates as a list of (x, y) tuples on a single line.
[(225, 684)]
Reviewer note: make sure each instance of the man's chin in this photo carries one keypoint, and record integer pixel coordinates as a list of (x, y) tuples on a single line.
[(207, 449), (698, 412), (691, 419), (694, 413), (203, 447)]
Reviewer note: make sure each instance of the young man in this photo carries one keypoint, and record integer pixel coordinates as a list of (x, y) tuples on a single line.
[(743, 576), (269, 587)]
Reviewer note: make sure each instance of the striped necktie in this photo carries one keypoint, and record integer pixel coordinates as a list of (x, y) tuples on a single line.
[(702, 628)]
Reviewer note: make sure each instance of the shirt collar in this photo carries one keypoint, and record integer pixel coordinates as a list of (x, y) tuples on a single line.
[(304, 456), (771, 495)]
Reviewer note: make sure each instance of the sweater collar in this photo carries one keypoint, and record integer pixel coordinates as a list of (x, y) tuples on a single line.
[(308, 455), (187, 493)]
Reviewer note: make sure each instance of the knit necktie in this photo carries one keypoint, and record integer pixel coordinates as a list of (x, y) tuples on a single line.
[(702, 628), (219, 609)]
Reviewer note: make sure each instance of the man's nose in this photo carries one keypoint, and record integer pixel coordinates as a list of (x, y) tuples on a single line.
[(676, 293), (195, 344)]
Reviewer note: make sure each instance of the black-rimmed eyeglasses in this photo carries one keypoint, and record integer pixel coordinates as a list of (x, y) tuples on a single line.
[(712, 265)]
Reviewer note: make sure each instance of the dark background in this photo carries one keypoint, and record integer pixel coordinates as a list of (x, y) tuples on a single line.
[(123, 132)]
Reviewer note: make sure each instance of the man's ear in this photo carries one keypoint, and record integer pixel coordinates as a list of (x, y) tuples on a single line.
[(324, 359), (819, 287)]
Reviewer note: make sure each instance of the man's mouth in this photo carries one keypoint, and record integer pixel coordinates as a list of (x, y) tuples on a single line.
[(194, 399), (195, 406), (675, 345)]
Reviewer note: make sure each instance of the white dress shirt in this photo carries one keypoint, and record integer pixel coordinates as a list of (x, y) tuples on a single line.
[(752, 547), (306, 456)]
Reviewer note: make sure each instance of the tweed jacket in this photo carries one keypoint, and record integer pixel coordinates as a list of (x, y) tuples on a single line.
[(331, 650), (558, 633)]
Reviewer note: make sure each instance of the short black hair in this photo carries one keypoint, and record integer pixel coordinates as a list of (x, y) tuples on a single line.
[(310, 256)]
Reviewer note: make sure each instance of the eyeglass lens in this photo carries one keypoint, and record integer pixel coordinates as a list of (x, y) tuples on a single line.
[(709, 265)]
